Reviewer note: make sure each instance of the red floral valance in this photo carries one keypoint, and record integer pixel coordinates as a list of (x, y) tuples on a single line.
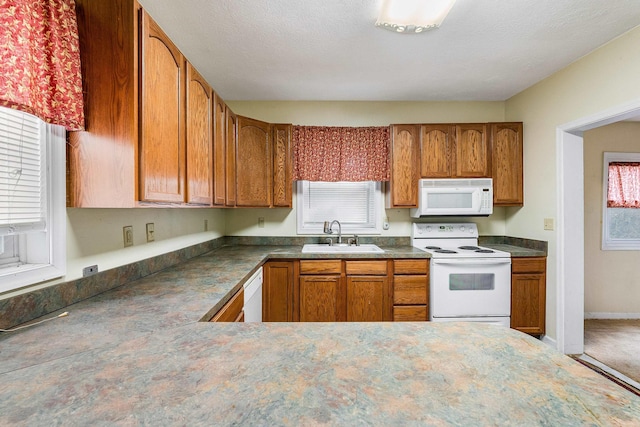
[(40, 60), (332, 154), (624, 185)]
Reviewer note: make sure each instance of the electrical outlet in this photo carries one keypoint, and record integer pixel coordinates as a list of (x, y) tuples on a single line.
[(261, 222), (127, 235), (206, 225), (150, 232), (548, 224), (89, 271)]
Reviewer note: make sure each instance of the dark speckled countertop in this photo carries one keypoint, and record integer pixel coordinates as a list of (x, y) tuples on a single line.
[(139, 355)]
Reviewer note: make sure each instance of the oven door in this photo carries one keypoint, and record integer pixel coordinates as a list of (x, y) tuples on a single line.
[(478, 287)]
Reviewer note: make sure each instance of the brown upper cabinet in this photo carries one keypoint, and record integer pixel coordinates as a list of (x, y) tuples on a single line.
[(232, 139), (472, 151), (162, 117), (437, 149), (219, 151), (102, 160), (282, 165), (402, 190), (199, 137), (254, 163), (148, 115), (454, 151), (506, 141)]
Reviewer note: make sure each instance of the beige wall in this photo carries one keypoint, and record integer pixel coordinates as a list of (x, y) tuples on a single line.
[(94, 236), (611, 282), (606, 78)]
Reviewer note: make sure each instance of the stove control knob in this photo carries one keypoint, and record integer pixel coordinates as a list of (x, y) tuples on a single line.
[(419, 230), (428, 228), (462, 228)]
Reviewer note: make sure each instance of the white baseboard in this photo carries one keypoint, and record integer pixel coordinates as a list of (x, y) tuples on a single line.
[(611, 315), (549, 341)]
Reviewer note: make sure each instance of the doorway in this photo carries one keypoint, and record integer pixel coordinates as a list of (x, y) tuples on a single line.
[(570, 212)]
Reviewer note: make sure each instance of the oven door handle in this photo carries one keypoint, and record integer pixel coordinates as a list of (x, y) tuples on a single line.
[(472, 262)]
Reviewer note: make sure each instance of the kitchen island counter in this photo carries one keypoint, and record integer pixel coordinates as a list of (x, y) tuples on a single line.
[(139, 354), (316, 374)]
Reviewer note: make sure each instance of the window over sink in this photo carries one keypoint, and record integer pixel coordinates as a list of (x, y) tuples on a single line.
[(356, 205)]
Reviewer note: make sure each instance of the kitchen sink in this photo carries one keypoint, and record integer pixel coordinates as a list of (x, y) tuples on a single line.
[(316, 248)]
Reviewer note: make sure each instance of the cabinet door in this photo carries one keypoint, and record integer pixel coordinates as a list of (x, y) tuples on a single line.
[(162, 117), (199, 138), (277, 291), (366, 298), (232, 310), (254, 163), (219, 151), (322, 299), (436, 146), (231, 135), (282, 184), (472, 154), (102, 161), (528, 294), (506, 147), (405, 151), (527, 303)]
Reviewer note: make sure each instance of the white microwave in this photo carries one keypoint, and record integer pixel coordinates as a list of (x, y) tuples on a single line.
[(458, 196)]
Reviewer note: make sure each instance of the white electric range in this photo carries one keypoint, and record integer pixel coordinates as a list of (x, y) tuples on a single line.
[(467, 282)]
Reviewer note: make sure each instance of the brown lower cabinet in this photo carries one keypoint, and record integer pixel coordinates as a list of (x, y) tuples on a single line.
[(277, 291), (528, 294), (345, 290), (377, 290), (232, 311), (410, 290)]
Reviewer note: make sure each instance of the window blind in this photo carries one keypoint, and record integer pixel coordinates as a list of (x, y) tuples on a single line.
[(348, 202), (22, 195)]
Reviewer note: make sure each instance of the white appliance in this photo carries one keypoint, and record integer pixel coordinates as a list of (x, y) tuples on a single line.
[(460, 197), (467, 282), (253, 298)]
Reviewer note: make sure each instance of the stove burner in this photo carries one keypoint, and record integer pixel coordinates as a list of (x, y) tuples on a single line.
[(469, 248), (445, 251), (432, 247), (484, 251)]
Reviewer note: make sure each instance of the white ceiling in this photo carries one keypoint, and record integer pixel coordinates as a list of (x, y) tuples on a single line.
[(485, 50)]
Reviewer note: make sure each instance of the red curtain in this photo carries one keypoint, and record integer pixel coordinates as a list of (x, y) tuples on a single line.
[(340, 153), (624, 185), (40, 60)]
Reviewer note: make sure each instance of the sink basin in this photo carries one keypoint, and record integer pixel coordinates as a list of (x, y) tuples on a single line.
[(316, 248)]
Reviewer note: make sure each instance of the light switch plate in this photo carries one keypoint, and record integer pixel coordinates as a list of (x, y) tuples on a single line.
[(150, 232), (548, 224)]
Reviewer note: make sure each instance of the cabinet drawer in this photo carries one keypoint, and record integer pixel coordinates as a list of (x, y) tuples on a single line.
[(410, 289), (321, 266), (410, 266), (529, 265), (232, 310), (369, 268), (410, 313)]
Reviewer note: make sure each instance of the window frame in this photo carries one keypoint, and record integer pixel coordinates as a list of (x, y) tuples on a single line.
[(608, 243), (377, 204), (47, 248)]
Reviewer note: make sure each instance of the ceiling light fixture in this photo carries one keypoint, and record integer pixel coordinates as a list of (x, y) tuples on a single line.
[(413, 16)]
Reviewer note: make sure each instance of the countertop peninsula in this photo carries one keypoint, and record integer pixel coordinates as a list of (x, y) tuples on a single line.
[(140, 355)]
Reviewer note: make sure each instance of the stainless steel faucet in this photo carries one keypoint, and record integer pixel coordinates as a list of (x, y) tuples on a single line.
[(328, 229)]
